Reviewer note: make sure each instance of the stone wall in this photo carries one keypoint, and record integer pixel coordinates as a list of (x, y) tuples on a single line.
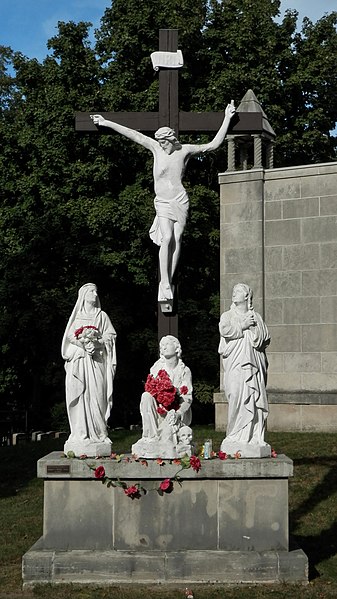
[(279, 235)]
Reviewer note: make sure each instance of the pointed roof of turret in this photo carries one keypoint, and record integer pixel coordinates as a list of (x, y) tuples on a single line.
[(250, 104)]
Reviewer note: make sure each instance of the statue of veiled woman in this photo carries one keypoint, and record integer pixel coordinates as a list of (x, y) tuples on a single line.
[(89, 351)]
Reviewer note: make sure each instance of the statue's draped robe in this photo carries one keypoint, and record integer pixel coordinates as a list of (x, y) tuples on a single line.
[(245, 376), (89, 379)]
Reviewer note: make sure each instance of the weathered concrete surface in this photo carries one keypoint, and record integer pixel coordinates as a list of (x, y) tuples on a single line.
[(188, 567), (280, 467), (229, 505), (227, 523)]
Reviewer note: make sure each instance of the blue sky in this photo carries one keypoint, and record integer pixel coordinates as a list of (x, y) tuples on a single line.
[(26, 25)]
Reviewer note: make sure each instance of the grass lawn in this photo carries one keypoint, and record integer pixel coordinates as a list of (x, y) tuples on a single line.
[(313, 520)]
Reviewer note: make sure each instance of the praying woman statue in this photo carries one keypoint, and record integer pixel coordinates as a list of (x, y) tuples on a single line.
[(244, 338), (89, 351), (171, 203)]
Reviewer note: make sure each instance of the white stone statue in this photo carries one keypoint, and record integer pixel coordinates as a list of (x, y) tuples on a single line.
[(244, 337), (171, 200), (165, 405), (89, 351)]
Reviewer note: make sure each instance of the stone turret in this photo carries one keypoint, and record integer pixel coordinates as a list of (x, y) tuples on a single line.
[(251, 139)]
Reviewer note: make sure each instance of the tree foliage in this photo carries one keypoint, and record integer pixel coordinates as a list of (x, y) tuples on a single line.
[(76, 207)]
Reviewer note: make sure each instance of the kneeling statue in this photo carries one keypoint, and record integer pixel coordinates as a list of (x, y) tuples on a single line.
[(165, 405)]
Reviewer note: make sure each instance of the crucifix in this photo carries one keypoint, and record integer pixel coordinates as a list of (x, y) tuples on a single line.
[(170, 159)]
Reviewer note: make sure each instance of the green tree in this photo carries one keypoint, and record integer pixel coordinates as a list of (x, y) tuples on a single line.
[(76, 207), (292, 73)]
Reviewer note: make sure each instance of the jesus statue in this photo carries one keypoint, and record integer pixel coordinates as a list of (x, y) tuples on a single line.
[(170, 158)]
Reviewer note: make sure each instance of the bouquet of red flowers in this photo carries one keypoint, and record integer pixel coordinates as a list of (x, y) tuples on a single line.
[(89, 336), (87, 332), (164, 392)]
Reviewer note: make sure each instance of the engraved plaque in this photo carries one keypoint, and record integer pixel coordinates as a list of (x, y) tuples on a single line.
[(58, 469)]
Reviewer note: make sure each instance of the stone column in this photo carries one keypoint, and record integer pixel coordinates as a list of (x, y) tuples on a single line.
[(257, 151), (270, 154), (230, 153), (241, 247)]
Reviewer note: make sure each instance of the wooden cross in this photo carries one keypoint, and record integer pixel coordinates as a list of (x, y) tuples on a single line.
[(168, 115)]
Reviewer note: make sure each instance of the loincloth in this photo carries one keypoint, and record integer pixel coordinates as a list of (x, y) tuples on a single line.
[(175, 210)]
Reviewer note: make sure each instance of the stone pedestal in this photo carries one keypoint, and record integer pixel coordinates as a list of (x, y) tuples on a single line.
[(245, 450), (226, 524), (89, 448)]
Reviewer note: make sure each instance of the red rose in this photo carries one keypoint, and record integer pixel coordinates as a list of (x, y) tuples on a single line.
[(161, 411), (163, 374), (166, 398), (151, 385), (100, 472), (132, 492), (183, 390), (195, 463), (222, 455), (166, 485), (273, 453)]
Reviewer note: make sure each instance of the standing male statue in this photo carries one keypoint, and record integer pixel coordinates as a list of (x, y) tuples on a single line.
[(170, 158)]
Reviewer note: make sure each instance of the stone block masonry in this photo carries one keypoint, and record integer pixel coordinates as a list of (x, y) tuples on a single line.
[(279, 235)]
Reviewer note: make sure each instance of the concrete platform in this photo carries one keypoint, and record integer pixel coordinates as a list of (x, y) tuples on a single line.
[(150, 567), (228, 523)]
